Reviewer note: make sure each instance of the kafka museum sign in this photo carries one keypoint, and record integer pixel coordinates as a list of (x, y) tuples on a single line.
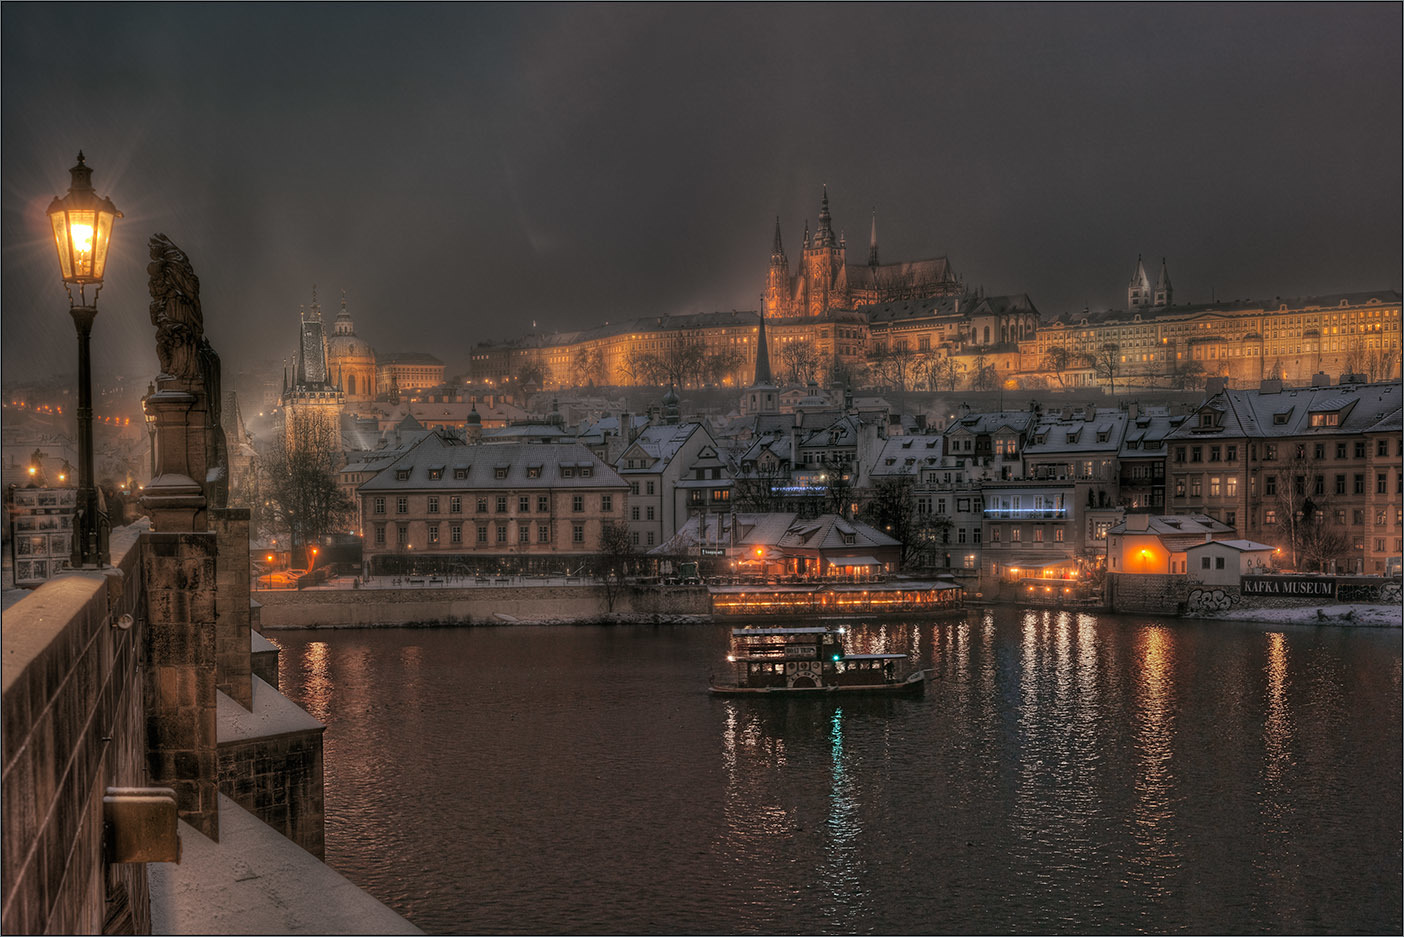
[(1300, 587)]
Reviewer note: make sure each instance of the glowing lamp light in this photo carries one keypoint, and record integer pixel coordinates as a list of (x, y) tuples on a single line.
[(269, 558), (33, 470), (82, 225)]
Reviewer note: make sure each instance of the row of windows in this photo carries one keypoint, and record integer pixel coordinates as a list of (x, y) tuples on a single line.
[(455, 504), (455, 534), (1016, 534), (1356, 515)]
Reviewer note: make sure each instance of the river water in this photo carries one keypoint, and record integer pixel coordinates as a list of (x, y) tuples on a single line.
[(1063, 773)]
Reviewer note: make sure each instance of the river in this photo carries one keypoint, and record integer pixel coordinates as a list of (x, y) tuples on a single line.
[(1063, 773)]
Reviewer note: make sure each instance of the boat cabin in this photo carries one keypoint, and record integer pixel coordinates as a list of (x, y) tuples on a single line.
[(804, 658)]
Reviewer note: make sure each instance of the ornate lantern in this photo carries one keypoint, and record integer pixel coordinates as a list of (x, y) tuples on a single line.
[(82, 223)]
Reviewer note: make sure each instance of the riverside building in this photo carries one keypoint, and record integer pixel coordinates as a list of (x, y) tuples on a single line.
[(445, 505)]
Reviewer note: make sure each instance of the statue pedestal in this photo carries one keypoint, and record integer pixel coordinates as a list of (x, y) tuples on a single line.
[(175, 499)]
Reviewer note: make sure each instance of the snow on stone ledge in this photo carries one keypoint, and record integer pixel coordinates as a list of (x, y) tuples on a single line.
[(1364, 616), (272, 714), (256, 881)]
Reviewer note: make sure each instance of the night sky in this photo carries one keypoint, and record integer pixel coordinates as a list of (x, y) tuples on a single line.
[(462, 170)]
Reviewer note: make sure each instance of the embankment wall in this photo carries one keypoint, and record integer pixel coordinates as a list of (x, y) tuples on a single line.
[(486, 605)]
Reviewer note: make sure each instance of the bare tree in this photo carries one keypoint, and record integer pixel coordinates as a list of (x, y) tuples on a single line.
[(301, 493), (1057, 360), (1304, 515), (945, 371), (982, 374), (1105, 362), (587, 367), (611, 564), (800, 360)]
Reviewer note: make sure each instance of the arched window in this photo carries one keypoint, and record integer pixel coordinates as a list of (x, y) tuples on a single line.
[(351, 384), (987, 335)]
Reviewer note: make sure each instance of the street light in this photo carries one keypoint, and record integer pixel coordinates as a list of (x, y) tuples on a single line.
[(82, 225), (150, 416)]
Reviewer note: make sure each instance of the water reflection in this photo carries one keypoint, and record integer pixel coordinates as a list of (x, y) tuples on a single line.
[(317, 681), (1153, 812), (843, 868), (1277, 727)]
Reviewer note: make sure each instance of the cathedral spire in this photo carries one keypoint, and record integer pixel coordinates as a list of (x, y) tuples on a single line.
[(872, 243), (777, 249), (1164, 292), (762, 355), (824, 234), (806, 234)]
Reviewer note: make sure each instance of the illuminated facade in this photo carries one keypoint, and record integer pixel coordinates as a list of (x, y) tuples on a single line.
[(311, 404), (825, 281), (1242, 341), (351, 362)]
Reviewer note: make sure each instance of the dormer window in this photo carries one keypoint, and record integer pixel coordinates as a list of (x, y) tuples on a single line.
[(849, 538), (1280, 419), (460, 472), (1206, 420), (402, 475), (585, 471), (533, 471), (1326, 419), (435, 474), (1103, 436), (499, 472), (567, 471)]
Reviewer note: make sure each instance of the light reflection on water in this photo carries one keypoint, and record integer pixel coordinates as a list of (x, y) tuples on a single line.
[(1064, 772)]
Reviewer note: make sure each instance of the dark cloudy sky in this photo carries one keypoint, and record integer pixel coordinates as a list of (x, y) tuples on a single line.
[(460, 170)]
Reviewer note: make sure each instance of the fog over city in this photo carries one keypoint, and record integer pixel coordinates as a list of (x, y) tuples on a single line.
[(463, 171)]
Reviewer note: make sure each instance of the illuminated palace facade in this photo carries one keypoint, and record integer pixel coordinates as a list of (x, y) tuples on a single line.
[(844, 320), (1243, 341)]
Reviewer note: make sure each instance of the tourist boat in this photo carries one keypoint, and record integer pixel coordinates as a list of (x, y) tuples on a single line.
[(810, 662)]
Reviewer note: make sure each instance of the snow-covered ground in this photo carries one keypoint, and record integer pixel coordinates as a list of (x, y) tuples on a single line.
[(1367, 616)]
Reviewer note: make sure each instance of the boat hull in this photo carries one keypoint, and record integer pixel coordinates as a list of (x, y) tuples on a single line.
[(914, 685)]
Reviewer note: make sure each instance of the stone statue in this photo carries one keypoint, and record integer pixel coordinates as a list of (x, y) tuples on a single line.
[(186, 356), (175, 309)]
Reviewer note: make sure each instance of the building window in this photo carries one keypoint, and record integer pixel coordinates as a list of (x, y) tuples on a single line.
[(994, 535), (1360, 484), (1269, 452), (577, 533), (500, 472), (524, 504), (634, 489), (577, 503), (636, 538), (402, 475), (648, 512), (648, 488), (1058, 534), (1214, 452), (524, 533), (1382, 448), (435, 474), (380, 533), (482, 505), (1179, 486), (433, 504), (1269, 517), (1231, 453), (433, 533), (456, 533), (650, 538), (1231, 487), (606, 504), (1360, 450), (634, 513), (501, 504), (1230, 517), (543, 533), (402, 505), (1215, 489), (1196, 454), (1270, 485), (1204, 562), (1197, 486), (501, 533), (1340, 450), (460, 473), (482, 533), (401, 534), (1038, 535), (543, 504), (379, 505), (1381, 483)]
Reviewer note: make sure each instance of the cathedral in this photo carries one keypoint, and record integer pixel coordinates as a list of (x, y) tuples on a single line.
[(826, 281)]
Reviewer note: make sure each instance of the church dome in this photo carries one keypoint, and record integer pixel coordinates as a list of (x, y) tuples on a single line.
[(343, 347)]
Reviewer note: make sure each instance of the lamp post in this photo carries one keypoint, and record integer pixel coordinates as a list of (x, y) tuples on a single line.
[(150, 416), (82, 225)]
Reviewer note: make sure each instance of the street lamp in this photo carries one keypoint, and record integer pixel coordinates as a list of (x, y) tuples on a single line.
[(82, 225), (150, 416)]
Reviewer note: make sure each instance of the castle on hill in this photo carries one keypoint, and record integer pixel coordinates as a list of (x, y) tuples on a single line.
[(826, 281)]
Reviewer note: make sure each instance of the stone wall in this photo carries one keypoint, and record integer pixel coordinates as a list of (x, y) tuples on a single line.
[(270, 763), (180, 675), (1182, 595), (494, 605), (231, 528), (73, 726)]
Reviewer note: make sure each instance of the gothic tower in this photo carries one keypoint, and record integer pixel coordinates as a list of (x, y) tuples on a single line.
[(762, 396), (1138, 291), (825, 272), (311, 404), (872, 243), (777, 281), (1164, 292)]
